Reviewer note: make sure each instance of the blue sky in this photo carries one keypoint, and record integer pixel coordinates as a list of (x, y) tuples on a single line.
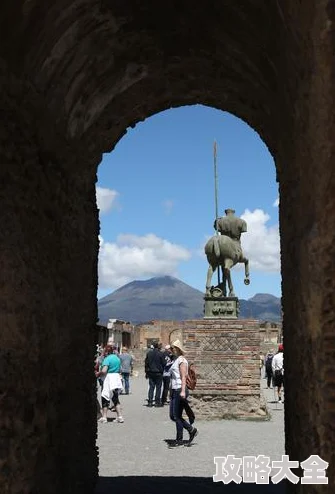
[(155, 192)]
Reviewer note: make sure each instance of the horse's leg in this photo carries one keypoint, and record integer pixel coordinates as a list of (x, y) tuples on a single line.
[(230, 283), (246, 270), (209, 278), (224, 283), (228, 264)]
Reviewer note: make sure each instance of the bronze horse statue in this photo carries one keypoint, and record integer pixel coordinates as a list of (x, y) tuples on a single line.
[(223, 251)]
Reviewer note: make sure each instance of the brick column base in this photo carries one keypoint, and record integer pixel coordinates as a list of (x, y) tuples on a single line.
[(226, 355)]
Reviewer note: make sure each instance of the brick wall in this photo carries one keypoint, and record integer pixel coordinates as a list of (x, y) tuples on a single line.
[(164, 331), (226, 355)]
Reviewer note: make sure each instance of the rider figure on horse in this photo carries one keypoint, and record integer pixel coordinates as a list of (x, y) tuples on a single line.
[(231, 226), (224, 251)]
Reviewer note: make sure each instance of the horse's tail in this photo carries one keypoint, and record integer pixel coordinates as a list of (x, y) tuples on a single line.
[(216, 246)]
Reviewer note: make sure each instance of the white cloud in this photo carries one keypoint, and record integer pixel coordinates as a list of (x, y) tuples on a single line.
[(261, 243), (200, 250), (132, 257), (106, 199), (276, 203), (168, 205)]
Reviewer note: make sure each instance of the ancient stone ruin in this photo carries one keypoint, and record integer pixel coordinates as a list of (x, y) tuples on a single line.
[(74, 76)]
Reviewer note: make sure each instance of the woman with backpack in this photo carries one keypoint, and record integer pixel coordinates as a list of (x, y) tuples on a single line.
[(179, 394), (268, 368)]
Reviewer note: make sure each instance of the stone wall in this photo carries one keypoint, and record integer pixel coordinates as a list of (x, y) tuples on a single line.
[(72, 80), (226, 356), (270, 338), (164, 331), (48, 276)]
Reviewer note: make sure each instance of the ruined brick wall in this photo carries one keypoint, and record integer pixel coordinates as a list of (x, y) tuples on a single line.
[(269, 339), (226, 356), (170, 331), (165, 331)]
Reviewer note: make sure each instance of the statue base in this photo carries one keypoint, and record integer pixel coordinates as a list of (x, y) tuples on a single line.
[(221, 307), (226, 355)]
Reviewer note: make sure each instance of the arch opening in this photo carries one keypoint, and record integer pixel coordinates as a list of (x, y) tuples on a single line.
[(156, 192)]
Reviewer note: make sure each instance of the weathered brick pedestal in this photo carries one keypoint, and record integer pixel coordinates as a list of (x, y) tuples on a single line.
[(226, 355)]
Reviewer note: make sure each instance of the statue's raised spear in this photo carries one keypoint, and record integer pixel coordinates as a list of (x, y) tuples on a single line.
[(216, 198)]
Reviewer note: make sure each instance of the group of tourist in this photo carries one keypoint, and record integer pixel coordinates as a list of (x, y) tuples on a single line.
[(274, 370), (168, 369), (113, 370)]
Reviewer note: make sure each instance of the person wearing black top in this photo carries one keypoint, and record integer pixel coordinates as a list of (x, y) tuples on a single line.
[(154, 367), (169, 358)]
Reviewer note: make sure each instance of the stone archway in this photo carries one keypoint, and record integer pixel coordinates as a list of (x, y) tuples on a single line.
[(74, 76)]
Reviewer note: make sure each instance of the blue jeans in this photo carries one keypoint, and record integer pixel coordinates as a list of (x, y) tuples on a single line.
[(166, 387), (177, 406), (125, 382)]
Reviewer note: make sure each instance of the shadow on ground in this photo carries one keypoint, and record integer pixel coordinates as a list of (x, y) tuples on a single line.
[(171, 443), (180, 485)]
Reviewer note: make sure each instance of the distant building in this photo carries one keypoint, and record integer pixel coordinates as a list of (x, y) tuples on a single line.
[(270, 334), (166, 331), (163, 331), (102, 334), (120, 333)]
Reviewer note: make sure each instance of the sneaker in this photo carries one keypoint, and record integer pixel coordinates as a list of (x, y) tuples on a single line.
[(120, 420), (193, 433), (176, 443), (102, 420)]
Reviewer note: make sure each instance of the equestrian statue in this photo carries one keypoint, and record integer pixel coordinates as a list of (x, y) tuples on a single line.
[(224, 250)]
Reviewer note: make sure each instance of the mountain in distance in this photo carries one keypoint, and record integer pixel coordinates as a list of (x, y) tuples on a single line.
[(263, 306), (164, 298), (167, 298)]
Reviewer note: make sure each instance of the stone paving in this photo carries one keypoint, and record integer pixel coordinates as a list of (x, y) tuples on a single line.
[(137, 448)]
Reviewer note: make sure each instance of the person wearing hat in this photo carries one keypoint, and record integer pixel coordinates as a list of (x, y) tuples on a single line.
[(278, 370), (179, 394)]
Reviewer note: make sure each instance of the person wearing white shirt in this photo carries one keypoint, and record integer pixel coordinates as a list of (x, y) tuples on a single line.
[(179, 393), (278, 370)]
